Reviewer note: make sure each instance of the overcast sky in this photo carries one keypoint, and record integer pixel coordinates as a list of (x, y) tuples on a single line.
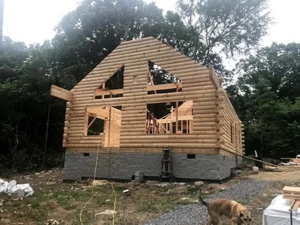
[(33, 21)]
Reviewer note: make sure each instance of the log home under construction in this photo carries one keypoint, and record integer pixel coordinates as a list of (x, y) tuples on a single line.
[(136, 119)]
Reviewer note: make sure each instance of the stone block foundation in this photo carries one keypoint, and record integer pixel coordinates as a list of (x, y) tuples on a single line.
[(124, 165)]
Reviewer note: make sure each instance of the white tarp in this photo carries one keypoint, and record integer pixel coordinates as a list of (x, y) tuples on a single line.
[(278, 212), (12, 187)]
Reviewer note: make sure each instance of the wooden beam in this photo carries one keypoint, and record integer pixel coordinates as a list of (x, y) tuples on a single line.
[(92, 122), (164, 86), (60, 93), (172, 119), (151, 79), (100, 92), (104, 91)]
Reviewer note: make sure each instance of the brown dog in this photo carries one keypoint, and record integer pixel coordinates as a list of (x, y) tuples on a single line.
[(237, 213)]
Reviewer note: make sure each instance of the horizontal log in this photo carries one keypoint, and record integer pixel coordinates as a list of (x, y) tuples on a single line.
[(175, 150), (192, 78), (133, 46), (88, 88), (139, 58), (95, 82), (169, 142), (228, 149), (169, 138), (99, 92), (80, 113), (188, 87), (88, 91), (183, 63), (134, 133), (60, 93), (141, 54), (149, 99), (163, 97), (164, 86), (162, 145), (141, 40), (148, 54)]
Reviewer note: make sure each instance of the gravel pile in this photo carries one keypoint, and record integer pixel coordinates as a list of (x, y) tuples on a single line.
[(196, 214)]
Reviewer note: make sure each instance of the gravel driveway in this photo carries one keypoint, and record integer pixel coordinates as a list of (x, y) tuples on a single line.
[(196, 214)]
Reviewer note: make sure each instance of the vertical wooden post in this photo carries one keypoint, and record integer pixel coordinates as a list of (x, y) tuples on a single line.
[(181, 128), (151, 80), (176, 116), (86, 121), (103, 87), (109, 126), (188, 127), (177, 105)]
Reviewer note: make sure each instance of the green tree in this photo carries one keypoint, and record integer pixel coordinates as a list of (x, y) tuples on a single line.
[(88, 34), (223, 26), (268, 93), (24, 102)]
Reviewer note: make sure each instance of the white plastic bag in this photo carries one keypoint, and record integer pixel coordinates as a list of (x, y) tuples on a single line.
[(13, 187)]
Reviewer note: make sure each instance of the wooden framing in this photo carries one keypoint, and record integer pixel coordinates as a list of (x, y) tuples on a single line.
[(204, 118), (60, 93)]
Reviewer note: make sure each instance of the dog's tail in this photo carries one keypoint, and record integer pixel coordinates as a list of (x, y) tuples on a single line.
[(200, 199)]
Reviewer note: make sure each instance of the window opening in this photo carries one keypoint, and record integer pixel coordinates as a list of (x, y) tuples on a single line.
[(161, 81), (166, 118), (113, 87)]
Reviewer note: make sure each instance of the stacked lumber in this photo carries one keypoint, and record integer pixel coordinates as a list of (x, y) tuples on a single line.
[(291, 192)]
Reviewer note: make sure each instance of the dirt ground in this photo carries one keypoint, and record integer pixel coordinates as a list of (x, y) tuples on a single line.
[(55, 202)]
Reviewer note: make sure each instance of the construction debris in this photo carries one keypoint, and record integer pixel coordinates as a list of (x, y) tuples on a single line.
[(199, 183), (126, 192), (15, 190), (99, 182)]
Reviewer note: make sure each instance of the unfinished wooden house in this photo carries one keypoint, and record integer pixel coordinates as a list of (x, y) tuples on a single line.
[(136, 117)]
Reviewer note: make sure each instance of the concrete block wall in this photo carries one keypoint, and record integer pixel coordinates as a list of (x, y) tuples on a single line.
[(124, 165)]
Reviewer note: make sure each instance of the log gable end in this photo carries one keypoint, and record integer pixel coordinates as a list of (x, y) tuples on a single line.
[(197, 116)]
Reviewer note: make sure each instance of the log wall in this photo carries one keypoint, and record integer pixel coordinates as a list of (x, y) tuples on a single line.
[(212, 110), (232, 128)]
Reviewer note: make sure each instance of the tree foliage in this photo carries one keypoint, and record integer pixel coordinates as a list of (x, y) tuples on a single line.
[(202, 30), (223, 26), (24, 102), (267, 97), (88, 34)]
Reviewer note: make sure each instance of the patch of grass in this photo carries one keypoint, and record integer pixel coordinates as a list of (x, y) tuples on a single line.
[(193, 190), (87, 217), (37, 199), (101, 201), (67, 199), (38, 215), (158, 206), (146, 207), (119, 188), (64, 200), (81, 196), (184, 202)]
